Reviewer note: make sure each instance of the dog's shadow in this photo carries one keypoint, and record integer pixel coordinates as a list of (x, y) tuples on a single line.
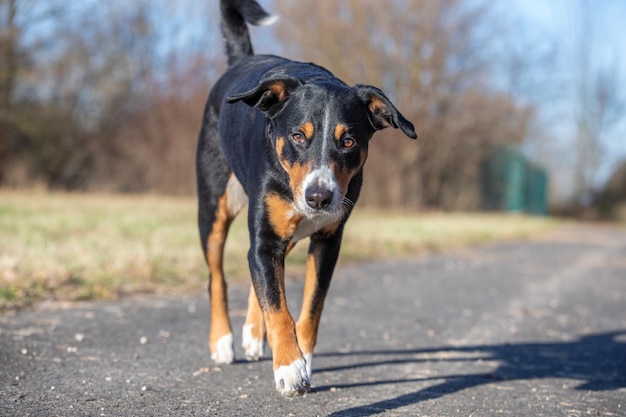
[(598, 360)]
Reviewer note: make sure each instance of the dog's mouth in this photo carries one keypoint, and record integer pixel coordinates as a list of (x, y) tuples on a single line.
[(321, 200)]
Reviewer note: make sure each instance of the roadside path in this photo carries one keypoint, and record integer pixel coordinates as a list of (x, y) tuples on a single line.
[(524, 328)]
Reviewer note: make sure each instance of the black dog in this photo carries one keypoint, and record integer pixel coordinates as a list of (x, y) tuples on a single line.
[(290, 140)]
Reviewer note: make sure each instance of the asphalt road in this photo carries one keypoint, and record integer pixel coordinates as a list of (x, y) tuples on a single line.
[(525, 328)]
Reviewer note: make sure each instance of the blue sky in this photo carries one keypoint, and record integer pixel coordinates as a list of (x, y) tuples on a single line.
[(561, 21), (558, 19)]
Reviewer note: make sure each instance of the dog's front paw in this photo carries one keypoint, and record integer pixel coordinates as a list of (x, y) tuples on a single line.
[(293, 379), (253, 347), (224, 350)]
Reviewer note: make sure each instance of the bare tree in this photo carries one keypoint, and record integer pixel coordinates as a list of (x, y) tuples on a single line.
[(598, 104), (76, 79), (8, 69), (110, 94), (432, 57)]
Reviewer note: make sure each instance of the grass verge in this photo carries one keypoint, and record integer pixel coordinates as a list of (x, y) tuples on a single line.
[(93, 246)]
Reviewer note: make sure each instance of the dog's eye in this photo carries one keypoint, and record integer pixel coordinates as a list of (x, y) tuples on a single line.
[(348, 143), (298, 137)]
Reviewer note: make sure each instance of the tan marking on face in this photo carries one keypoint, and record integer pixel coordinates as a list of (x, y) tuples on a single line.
[(340, 130), (377, 106), (281, 215), (297, 172), (280, 145), (308, 129), (344, 176)]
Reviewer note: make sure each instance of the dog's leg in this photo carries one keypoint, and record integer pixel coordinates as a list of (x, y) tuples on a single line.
[(289, 365), (220, 336), (253, 340), (254, 332), (232, 200), (215, 212), (267, 268), (321, 260)]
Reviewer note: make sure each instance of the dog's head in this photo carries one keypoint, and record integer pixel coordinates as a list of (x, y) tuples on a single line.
[(320, 133)]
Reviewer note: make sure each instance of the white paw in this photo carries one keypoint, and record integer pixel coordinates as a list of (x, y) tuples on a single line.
[(253, 347), (224, 350), (292, 379)]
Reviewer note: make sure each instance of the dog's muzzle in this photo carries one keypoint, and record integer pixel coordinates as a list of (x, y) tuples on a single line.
[(320, 190)]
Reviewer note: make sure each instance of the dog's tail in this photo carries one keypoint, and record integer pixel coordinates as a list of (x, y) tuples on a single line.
[(235, 15)]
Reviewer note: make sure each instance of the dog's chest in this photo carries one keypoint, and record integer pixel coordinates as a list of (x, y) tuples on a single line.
[(311, 224)]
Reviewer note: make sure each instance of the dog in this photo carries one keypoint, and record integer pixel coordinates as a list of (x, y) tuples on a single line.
[(289, 140)]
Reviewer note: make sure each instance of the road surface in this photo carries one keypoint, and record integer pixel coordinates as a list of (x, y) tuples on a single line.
[(524, 328)]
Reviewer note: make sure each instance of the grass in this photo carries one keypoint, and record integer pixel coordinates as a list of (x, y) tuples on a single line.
[(85, 246)]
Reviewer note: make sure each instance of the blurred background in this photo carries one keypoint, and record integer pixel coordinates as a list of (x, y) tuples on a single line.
[(519, 105)]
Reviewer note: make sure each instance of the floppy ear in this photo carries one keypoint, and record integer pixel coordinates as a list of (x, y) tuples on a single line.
[(382, 112), (269, 95)]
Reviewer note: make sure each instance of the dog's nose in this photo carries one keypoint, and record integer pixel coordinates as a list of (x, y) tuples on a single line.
[(318, 198)]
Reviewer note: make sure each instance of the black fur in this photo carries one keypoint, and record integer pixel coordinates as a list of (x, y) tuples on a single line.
[(296, 138)]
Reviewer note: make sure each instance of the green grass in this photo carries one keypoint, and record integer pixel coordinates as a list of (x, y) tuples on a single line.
[(85, 246)]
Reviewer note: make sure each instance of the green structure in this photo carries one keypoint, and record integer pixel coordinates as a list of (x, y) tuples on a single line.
[(510, 182)]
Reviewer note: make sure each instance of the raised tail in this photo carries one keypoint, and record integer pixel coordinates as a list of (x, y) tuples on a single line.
[(235, 15)]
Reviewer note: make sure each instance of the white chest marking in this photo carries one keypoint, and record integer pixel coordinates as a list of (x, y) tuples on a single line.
[(312, 223)]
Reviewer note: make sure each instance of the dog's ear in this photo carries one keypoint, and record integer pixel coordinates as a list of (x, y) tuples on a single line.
[(382, 112), (269, 95)]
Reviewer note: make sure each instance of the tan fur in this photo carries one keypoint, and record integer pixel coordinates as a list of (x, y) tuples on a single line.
[(220, 324)]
